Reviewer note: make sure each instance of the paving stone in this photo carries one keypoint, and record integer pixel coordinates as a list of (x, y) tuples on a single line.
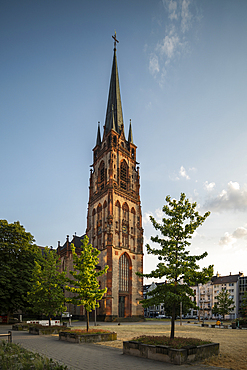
[(91, 356)]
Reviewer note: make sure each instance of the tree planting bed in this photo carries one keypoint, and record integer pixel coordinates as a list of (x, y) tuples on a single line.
[(90, 337), (169, 354), (20, 327), (45, 330)]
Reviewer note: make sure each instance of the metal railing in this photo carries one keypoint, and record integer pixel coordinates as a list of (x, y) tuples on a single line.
[(9, 335)]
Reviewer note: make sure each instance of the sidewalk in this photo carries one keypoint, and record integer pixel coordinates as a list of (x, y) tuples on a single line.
[(90, 356)]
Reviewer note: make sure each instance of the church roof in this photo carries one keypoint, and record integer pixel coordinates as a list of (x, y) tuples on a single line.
[(98, 141), (114, 114)]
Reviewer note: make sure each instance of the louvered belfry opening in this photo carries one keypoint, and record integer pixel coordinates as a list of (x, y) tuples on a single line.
[(123, 273), (123, 175)]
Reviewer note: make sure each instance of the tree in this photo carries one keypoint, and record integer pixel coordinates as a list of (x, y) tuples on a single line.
[(224, 305), (17, 255), (177, 266), (47, 294), (85, 285), (244, 305)]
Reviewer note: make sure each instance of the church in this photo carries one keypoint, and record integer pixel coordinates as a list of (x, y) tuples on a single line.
[(114, 218)]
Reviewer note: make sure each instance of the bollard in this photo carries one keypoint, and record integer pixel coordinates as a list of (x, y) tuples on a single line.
[(10, 337)]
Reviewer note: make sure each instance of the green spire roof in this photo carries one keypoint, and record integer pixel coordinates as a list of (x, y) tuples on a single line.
[(114, 115)]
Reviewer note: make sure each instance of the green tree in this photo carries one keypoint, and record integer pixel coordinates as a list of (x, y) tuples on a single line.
[(243, 306), (176, 265), (46, 295), (85, 285), (17, 255), (224, 305)]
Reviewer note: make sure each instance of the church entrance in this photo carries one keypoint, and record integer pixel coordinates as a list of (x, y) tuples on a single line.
[(121, 304)]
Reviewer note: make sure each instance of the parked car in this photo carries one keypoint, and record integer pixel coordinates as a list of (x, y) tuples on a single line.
[(161, 317)]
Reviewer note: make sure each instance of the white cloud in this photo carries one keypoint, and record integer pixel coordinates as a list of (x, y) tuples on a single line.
[(168, 45), (146, 218), (227, 240), (196, 194), (154, 64), (240, 232), (186, 16), (178, 20), (171, 6), (159, 215), (183, 173), (232, 198), (209, 186)]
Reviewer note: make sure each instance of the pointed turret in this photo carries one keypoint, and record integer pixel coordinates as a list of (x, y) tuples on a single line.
[(130, 138), (98, 141), (114, 99)]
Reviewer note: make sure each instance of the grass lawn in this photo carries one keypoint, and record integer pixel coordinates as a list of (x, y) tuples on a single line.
[(233, 343)]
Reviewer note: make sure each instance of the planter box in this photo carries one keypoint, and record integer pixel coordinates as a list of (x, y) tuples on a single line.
[(168, 354), (20, 327), (87, 338), (45, 330)]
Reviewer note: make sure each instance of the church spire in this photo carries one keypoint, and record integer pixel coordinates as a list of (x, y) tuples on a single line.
[(114, 98), (98, 141), (130, 138)]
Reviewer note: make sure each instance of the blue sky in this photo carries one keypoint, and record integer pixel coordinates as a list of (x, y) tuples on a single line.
[(183, 79)]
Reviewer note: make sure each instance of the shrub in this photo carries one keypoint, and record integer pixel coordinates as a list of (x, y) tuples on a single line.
[(241, 321), (13, 356), (90, 331)]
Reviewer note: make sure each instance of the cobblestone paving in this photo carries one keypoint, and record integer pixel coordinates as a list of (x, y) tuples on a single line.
[(91, 356)]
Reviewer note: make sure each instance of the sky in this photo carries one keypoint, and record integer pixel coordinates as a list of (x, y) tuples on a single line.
[(183, 80)]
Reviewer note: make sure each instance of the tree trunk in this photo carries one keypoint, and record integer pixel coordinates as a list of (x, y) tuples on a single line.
[(87, 320), (173, 321), (49, 320)]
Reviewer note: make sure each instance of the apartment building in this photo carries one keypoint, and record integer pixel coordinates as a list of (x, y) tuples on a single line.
[(205, 296)]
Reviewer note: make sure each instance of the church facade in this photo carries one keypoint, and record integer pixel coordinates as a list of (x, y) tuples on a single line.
[(114, 218)]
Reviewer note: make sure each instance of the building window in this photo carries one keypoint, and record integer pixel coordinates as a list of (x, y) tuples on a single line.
[(123, 175), (101, 176), (123, 273)]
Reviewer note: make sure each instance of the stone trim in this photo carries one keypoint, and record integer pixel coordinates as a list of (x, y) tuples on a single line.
[(168, 354)]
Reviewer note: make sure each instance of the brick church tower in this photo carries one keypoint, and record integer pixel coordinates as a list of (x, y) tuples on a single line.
[(114, 220)]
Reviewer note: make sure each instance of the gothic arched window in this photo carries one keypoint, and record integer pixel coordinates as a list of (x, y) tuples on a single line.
[(101, 176), (123, 273), (93, 216), (123, 175)]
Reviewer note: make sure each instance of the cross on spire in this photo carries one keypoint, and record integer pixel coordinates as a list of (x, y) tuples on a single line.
[(115, 41)]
